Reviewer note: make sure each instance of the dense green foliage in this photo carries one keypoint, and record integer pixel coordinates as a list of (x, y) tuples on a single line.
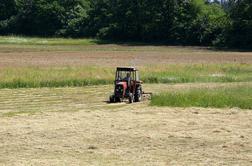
[(240, 97), (43, 17), (192, 22), (239, 34)]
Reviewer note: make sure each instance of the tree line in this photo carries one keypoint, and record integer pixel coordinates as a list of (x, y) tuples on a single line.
[(182, 22)]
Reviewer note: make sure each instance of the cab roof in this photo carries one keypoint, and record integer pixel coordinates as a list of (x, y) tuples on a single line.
[(126, 69)]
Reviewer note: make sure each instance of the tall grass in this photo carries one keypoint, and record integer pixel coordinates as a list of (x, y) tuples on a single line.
[(32, 77), (198, 73), (240, 97)]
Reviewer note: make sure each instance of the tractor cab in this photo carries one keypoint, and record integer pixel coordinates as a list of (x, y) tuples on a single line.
[(123, 73), (127, 85), (128, 75)]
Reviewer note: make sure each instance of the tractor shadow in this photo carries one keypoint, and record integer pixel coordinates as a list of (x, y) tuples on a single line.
[(118, 103)]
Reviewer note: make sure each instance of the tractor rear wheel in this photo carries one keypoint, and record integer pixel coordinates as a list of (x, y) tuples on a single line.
[(118, 100), (112, 99)]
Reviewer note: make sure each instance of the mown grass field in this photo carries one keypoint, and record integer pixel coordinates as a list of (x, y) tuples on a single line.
[(75, 126), (54, 110)]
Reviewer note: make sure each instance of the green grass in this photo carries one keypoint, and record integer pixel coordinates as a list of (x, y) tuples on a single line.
[(240, 97), (33, 77), (198, 73), (45, 41), (15, 113)]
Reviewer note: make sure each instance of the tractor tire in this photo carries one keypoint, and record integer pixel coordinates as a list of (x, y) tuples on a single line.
[(118, 100), (138, 95), (131, 98), (112, 99)]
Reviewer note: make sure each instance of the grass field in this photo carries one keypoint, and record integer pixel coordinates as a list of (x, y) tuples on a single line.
[(49, 116), (44, 41), (75, 126), (35, 77), (239, 97)]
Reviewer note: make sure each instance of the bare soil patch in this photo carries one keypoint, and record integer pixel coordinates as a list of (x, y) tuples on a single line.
[(114, 55)]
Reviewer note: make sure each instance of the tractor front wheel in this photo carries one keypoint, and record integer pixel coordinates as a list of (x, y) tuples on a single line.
[(138, 95), (131, 98)]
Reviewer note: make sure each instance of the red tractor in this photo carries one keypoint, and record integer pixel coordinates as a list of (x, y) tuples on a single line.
[(127, 85)]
